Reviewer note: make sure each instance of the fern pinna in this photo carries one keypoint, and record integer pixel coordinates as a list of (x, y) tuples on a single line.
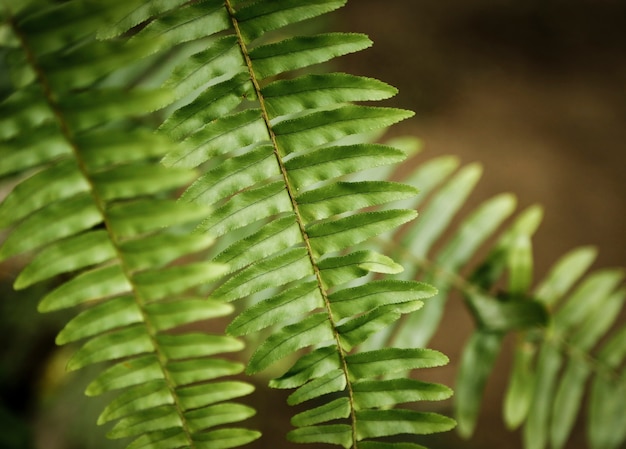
[(270, 148)]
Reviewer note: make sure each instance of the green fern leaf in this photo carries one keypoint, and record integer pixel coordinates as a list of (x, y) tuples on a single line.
[(382, 423), (303, 51), (261, 17), (286, 247), (315, 91), (332, 162)]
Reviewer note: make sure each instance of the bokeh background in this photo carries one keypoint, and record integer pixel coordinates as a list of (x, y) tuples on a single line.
[(534, 90)]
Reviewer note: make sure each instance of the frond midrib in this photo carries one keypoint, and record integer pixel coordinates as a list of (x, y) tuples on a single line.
[(100, 205), (299, 220)]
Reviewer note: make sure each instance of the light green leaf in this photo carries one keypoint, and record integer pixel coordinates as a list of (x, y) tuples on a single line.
[(564, 274), (188, 23), (90, 285), (520, 265), (274, 237), (312, 330), (82, 66), (164, 439), (233, 175), (427, 176), (108, 315), (215, 415), (171, 314), (322, 90), (332, 162), (193, 371), (157, 250), (339, 434), (314, 364), (115, 345), (137, 217), (130, 181), (341, 197), (607, 414), (54, 222), (248, 207), (342, 233), (97, 107), (67, 255), (389, 360), (302, 298), (299, 52), (222, 57), (58, 182), (159, 284), (571, 388), (477, 360), (198, 396), (535, 432), (221, 136), (519, 393), (126, 374), (381, 445), (49, 30), (379, 423), (282, 268), (258, 18), (133, 13), (607, 421), (338, 270), (23, 111), (103, 148), (32, 149), (567, 403), (358, 330), (331, 382), (225, 438), (339, 408), (385, 393), (154, 419), (586, 298), (183, 346), (321, 127), (216, 101), (369, 296), (442, 207), (473, 231), (141, 397)]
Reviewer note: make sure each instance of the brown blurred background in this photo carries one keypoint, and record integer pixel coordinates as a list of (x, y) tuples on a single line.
[(533, 90)]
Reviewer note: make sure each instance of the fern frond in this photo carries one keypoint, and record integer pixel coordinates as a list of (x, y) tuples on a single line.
[(275, 148), (94, 205), (559, 324)]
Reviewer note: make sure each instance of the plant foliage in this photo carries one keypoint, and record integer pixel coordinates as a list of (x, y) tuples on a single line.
[(566, 336), (265, 153), (175, 161)]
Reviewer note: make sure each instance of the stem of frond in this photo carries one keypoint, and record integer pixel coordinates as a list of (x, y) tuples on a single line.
[(296, 210), (67, 133)]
